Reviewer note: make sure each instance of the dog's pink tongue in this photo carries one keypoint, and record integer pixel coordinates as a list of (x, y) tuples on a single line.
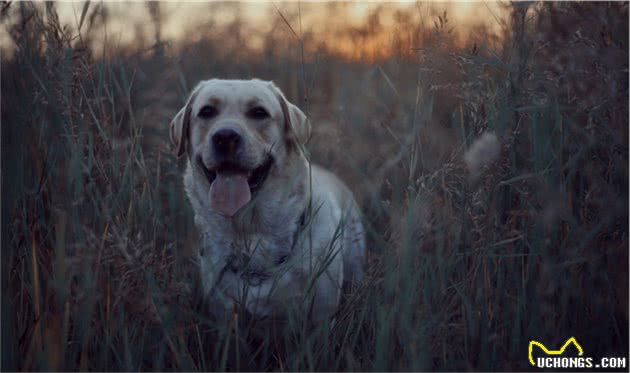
[(229, 193)]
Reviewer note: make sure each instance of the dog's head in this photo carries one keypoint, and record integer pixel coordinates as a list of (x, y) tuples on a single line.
[(234, 133)]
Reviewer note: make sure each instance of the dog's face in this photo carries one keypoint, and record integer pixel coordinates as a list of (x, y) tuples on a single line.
[(235, 132)]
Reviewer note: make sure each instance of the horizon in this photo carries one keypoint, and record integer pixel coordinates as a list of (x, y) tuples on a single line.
[(131, 24)]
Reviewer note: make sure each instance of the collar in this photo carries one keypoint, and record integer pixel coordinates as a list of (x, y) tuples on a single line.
[(300, 226)]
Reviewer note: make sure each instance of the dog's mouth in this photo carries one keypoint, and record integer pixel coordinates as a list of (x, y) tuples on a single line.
[(232, 185), (255, 177)]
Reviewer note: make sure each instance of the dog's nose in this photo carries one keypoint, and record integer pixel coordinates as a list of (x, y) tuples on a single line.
[(226, 142)]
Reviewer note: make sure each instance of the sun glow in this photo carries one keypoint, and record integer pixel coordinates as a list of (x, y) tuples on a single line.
[(355, 30)]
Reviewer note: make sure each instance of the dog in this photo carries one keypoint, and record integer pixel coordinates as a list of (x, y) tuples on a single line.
[(278, 234)]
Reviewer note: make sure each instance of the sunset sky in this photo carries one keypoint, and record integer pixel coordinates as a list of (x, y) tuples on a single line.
[(189, 20)]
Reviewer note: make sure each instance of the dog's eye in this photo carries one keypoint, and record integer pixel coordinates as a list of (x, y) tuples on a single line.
[(208, 112), (258, 113)]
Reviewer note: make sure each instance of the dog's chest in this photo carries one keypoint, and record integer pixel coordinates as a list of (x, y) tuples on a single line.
[(258, 251)]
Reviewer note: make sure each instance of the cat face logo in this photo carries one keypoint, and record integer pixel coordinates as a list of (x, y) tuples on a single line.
[(566, 344)]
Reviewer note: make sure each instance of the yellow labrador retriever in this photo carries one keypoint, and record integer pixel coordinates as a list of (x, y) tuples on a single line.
[(277, 233)]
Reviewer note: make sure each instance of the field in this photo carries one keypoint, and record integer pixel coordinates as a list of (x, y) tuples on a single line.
[(492, 172)]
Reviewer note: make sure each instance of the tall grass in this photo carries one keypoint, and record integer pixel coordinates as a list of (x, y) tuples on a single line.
[(467, 261)]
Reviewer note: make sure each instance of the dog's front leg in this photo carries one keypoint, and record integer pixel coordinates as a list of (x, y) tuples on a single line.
[(214, 262)]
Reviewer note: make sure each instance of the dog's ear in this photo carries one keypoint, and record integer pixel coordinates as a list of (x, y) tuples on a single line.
[(296, 123), (299, 123), (177, 125), (180, 125)]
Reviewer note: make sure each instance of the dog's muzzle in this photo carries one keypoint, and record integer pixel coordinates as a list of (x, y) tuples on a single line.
[(232, 185)]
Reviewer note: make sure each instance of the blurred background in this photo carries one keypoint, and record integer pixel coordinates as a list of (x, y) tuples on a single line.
[(486, 142)]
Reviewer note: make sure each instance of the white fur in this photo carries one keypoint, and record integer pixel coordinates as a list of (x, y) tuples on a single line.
[(329, 249)]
